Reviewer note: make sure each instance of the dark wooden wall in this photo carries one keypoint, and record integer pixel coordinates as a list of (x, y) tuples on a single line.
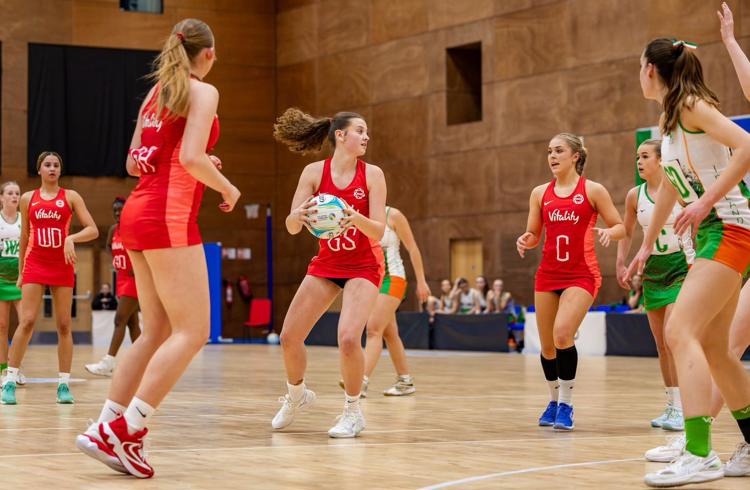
[(548, 66), (244, 74)]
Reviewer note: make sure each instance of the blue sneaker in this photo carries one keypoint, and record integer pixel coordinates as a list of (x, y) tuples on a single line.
[(564, 417), (548, 417)]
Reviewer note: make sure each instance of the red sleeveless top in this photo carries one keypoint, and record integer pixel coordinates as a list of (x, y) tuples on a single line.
[(162, 210), (568, 257), (351, 254), (49, 224)]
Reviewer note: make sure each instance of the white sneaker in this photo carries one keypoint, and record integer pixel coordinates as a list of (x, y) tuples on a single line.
[(739, 463), (105, 367), (658, 421), (363, 392), (675, 422), (669, 452), (289, 409), (401, 388), (688, 468), (348, 425)]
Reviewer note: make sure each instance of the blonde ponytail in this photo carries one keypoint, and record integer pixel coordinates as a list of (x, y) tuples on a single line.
[(188, 38)]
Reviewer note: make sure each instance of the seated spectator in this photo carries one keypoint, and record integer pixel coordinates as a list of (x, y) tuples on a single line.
[(105, 300), (635, 296), (482, 288), (464, 300), (444, 303), (500, 301)]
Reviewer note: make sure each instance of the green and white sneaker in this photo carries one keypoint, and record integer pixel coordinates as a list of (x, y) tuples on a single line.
[(687, 468), (63, 394), (403, 386), (675, 421), (659, 421), (9, 393)]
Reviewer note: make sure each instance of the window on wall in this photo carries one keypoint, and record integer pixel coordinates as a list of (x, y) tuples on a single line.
[(147, 6), (83, 104), (464, 83)]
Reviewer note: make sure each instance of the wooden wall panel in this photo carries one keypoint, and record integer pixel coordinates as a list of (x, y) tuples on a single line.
[(548, 66), (297, 35), (245, 75), (343, 25), (399, 69), (444, 13), (391, 20), (533, 41)]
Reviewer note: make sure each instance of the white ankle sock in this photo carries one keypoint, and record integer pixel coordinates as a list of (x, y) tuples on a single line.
[(296, 392), (138, 414), (406, 378), (12, 374), (670, 396), (566, 391), (554, 390), (110, 411), (64, 378), (352, 402), (677, 399)]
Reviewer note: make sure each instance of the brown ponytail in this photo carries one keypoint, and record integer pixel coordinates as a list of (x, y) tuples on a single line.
[(188, 38), (682, 74), (575, 143), (302, 132)]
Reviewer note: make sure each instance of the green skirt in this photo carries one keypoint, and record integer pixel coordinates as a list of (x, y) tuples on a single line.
[(662, 279), (9, 291)]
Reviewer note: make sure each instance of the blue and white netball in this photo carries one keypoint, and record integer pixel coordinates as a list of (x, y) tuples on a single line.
[(327, 223)]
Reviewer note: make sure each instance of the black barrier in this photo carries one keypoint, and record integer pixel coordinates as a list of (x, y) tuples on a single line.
[(628, 334), (325, 331), (413, 328), (470, 332)]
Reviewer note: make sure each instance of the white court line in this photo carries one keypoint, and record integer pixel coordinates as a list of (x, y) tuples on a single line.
[(491, 476), (353, 444), (536, 469)]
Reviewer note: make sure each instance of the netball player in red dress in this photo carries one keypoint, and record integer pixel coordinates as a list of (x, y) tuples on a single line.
[(352, 262), (176, 129), (568, 277), (126, 316), (47, 258)]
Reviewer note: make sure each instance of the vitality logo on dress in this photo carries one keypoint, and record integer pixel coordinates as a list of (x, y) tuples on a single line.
[(151, 121), (45, 214), (557, 216)]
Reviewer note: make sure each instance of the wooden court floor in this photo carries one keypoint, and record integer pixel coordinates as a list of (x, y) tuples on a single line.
[(471, 425)]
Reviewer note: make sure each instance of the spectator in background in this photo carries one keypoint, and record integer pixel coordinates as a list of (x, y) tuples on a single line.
[(499, 300), (444, 303), (464, 300), (481, 287), (635, 296), (105, 300)]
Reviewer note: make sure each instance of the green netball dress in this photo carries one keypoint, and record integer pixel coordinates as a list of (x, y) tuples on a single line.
[(10, 236), (667, 266)]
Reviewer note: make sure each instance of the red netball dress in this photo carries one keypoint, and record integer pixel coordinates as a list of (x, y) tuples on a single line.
[(49, 223), (123, 266), (351, 254), (162, 210), (568, 258)]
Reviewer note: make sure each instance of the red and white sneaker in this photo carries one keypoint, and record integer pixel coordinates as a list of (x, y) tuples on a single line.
[(127, 447), (91, 444)]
